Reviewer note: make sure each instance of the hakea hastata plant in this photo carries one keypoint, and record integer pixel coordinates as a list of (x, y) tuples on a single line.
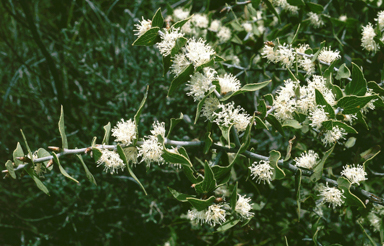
[(313, 105)]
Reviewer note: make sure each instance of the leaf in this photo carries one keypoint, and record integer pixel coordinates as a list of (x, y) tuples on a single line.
[(219, 58), (180, 42), (297, 31), (291, 75), (296, 2), (62, 130), (88, 174), (318, 169), (136, 118), (96, 152), (37, 181), (247, 133), (376, 88), (29, 150), (18, 152), (189, 172), (322, 44), (329, 124), (350, 198), (157, 20), (200, 204), (43, 153), (314, 7), (148, 38), (207, 64), (292, 123), (275, 123), (182, 22), (228, 225), (366, 234), (289, 149), (336, 90), (343, 72), (209, 182), (207, 142), (262, 108), (225, 132), (369, 154), (166, 64), (179, 196), (122, 155), (260, 124), (298, 187), (11, 171), (269, 98), (221, 171), (320, 100), (62, 170), (274, 157), (353, 104), (93, 144), (180, 79), (233, 198), (201, 104), (175, 157), (246, 88), (174, 122), (272, 9), (350, 142), (358, 85), (107, 133)]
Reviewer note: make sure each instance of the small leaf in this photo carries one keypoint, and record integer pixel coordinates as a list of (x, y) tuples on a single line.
[(157, 20), (174, 122), (298, 187), (314, 7), (88, 174), (289, 149), (269, 98), (209, 182), (225, 131), (329, 124), (180, 79), (262, 108), (93, 144), (272, 9), (322, 44), (320, 100), (353, 104), (233, 198), (148, 38), (296, 2), (260, 124), (189, 172), (96, 154), (228, 225), (62, 130), (274, 157), (246, 88), (29, 150), (62, 170), (350, 142), (207, 142), (18, 152), (207, 64), (107, 133), (179, 196), (369, 154), (336, 90), (136, 118), (201, 104), (376, 88), (166, 64), (11, 171), (38, 182), (175, 157), (343, 72), (350, 198), (318, 170), (182, 22), (43, 153), (292, 123), (200, 204), (275, 123), (179, 43), (358, 85)]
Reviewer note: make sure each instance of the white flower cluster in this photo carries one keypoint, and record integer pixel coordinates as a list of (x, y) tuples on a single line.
[(125, 131), (369, 105), (262, 171), (294, 10), (212, 216), (315, 20), (247, 27), (215, 26), (211, 104), (198, 52), (317, 117), (375, 221), (367, 40), (151, 149), (243, 207), (180, 14), (307, 160), (331, 195), (144, 26), (168, 40), (200, 83), (230, 115), (112, 161), (228, 83), (224, 34), (200, 20), (380, 20), (327, 55), (355, 174), (334, 135)]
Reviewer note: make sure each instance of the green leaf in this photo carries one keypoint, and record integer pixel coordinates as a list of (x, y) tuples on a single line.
[(275, 123), (221, 171), (376, 88), (350, 142), (11, 171), (175, 157), (297, 32), (247, 133), (298, 187), (96, 152), (38, 182), (180, 42), (228, 225), (107, 133), (329, 124), (157, 20), (343, 72), (88, 174), (336, 90), (200, 105), (296, 2), (200, 204), (358, 85), (272, 9), (322, 44), (209, 182), (373, 243), (256, 3), (122, 155), (174, 122), (246, 88), (62, 130), (225, 132), (233, 198), (314, 7), (43, 153), (136, 118), (291, 75), (289, 149), (148, 38), (207, 64), (179, 80), (179, 196), (190, 173), (18, 152), (320, 100), (181, 23), (262, 108), (369, 154), (353, 104), (62, 170), (29, 150), (274, 157), (219, 58), (166, 64), (260, 124), (318, 170), (207, 142), (93, 144), (292, 123), (269, 98), (350, 198)]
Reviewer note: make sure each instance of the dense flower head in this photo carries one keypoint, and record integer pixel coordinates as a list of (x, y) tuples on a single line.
[(315, 20), (380, 19), (332, 195), (169, 40), (262, 171), (355, 174), (215, 25), (200, 83), (302, 48), (286, 6), (332, 136), (317, 117), (151, 150), (285, 100), (327, 55), (198, 52), (111, 160), (125, 131), (307, 159), (158, 129), (197, 217), (180, 14), (180, 62), (243, 207), (269, 53), (367, 40), (224, 34), (228, 83), (230, 115), (131, 155), (211, 104), (375, 221), (247, 27), (286, 55), (200, 20), (307, 65), (144, 26), (215, 215)]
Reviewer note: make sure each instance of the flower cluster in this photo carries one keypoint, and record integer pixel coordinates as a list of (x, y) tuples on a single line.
[(307, 160), (284, 54), (168, 40), (334, 135), (125, 131), (151, 149), (111, 160), (228, 83), (144, 26), (243, 207), (262, 171), (355, 174), (368, 34), (328, 56), (294, 10), (315, 20), (331, 195), (200, 83), (230, 115)]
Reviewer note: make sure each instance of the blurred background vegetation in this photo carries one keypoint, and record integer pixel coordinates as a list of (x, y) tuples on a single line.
[(79, 54)]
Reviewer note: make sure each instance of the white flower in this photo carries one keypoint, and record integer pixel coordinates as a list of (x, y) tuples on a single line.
[(210, 105), (215, 215), (355, 174), (131, 154), (215, 25), (307, 160), (236, 60), (230, 115), (180, 62), (270, 54), (144, 26), (319, 82), (111, 161), (286, 55), (367, 40), (332, 195), (307, 65), (380, 19), (262, 171), (302, 48), (200, 20), (125, 131), (186, 28), (198, 52), (151, 151), (375, 221), (197, 217), (285, 102), (200, 83), (169, 40), (318, 116), (224, 34), (350, 118), (327, 55), (247, 27), (294, 10), (332, 136), (315, 20), (158, 129), (286, 6), (180, 14), (370, 104), (228, 83), (342, 18), (243, 207)]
